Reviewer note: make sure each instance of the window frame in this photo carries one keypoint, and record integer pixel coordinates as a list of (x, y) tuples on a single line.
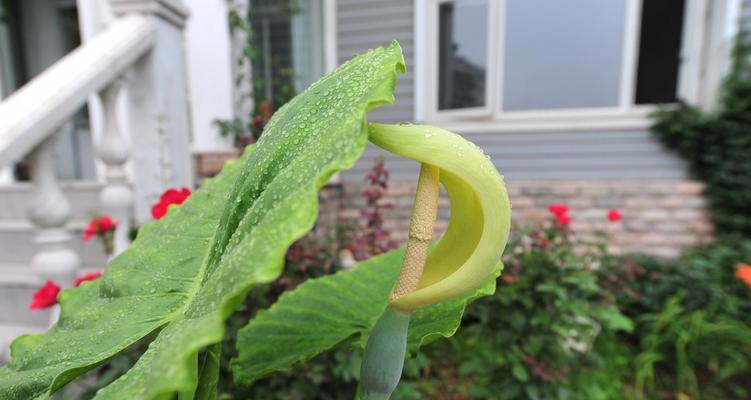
[(625, 115)]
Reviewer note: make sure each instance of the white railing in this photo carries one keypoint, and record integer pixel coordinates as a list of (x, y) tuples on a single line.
[(100, 70)]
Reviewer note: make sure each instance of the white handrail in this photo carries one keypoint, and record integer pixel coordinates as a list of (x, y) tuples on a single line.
[(34, 112)]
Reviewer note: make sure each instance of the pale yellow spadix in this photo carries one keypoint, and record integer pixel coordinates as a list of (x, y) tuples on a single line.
[(479, 226)]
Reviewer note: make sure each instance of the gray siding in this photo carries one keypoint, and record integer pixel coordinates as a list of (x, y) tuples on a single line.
[(553, 155), (745, 23), (365, 24)]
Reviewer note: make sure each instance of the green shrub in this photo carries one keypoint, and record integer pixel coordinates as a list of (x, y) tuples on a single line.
[(693, 328), (716, 146), (533, 338)]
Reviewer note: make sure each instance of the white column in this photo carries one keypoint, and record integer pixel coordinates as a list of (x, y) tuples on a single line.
[(158, 108), (116, 198), (49, 212)]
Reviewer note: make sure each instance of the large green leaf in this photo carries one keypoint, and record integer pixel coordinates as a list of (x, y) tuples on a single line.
[(187, 272), (323, 312)]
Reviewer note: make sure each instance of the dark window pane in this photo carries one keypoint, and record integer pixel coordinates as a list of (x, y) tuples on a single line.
[(462, 54), (659, 51)]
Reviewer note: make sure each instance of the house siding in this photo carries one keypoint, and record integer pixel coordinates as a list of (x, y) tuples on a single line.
[(365, 24), (602, 155)]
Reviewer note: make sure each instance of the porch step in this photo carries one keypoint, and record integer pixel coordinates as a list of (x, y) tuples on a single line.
[(8, 332), (83, 196), (17, 286), (17, 243)]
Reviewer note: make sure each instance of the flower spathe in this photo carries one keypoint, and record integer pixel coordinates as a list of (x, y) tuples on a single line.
[(470, 249), (168, 198), (45, 297)]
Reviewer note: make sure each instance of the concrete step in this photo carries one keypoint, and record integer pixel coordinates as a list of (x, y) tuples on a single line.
[(8, 332), (15, 199), (17, 286), (17, 243)]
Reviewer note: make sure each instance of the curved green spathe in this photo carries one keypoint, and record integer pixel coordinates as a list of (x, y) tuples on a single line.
[(480, 210)]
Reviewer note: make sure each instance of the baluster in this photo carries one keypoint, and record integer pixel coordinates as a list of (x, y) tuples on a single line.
[(116, 198), (49, 212)]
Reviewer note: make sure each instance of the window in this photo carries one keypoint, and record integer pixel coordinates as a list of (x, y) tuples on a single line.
[(659, 55), (562, 54), (463, 54), (288, 39), (540, 60)]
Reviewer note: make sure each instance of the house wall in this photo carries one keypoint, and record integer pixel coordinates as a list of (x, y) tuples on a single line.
[(592, 170), (207, 42)]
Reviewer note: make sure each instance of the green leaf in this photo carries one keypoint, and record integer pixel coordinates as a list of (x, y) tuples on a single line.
[(186, 273), (519, 372), (613, 319), (325, 311)]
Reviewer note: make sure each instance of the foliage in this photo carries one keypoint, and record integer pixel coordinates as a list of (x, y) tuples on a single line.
[(535, 334), (186, 273), (189, 271), (704, 353), (717, 144), (693, 327), (517, 343), (373, 238)]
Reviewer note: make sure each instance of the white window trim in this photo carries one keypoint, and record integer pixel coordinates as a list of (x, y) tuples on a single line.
[(626, 115), (329, 36)]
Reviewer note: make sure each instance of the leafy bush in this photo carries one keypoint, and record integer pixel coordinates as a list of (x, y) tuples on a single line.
[(693, 328), (717, 145), (571, 321), (533, 338)]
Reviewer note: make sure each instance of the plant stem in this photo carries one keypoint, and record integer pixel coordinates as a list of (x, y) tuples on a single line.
[(208, 375)]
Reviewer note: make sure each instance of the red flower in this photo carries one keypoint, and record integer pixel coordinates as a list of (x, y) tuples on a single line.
[(88, 277), (614, 215), (169, 197), (257, 122), (45, 297), (158, 210), (89, 232), (99, 226), (563, 219), (561, 213), (558, 209), (106, 224)]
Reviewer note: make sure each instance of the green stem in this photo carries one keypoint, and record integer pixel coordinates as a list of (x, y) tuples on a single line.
[(383, 359), (208, 376)]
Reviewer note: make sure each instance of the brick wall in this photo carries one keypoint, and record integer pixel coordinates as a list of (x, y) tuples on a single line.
[(660, 217)]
